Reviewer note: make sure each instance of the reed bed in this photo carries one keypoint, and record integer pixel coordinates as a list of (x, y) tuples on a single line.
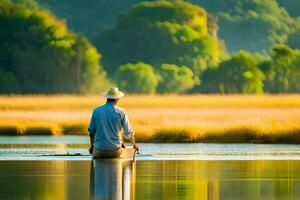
[(188, 118), (72, 102)]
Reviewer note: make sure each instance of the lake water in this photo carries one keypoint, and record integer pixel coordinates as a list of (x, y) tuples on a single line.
[(29, 170)]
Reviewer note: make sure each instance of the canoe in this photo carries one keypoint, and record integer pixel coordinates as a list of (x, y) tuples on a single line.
[(128, 153)]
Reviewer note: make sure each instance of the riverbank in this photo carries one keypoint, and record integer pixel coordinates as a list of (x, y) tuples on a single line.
[(159, 119)]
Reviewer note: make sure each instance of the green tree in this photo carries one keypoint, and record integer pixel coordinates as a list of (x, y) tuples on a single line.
[(295, 74), (89, 77), (239, 74), (138, 78), (42, 54), (159, 32), (175, 79), (294, 85), (267, 68), (8, 82), (32, 4), (286, 67)]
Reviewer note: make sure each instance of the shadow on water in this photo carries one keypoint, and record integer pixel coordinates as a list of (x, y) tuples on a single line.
[(112, 179)]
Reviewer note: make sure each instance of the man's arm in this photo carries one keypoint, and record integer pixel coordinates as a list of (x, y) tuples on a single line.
[(128, 132), (132, 140), (92, 137), (92, 130)]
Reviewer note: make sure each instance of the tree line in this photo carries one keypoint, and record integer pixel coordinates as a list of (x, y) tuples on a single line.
[(170, 47), (153, 47), (243, 72)]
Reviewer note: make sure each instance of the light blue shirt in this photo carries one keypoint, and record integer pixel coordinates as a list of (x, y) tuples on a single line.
[(106, 124)]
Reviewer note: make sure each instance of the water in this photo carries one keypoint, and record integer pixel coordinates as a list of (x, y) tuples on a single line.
[(42, 147), (28, 170), (155, 179)]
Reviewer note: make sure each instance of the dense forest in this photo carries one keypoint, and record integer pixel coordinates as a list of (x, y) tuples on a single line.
[(220, 46), (39, 54), (252, 25)]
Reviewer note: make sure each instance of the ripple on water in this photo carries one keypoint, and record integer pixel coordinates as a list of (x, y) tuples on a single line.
[(41, 148)]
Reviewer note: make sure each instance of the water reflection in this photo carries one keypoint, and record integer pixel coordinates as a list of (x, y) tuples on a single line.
[(112, 179), (155, 179), (218, 180)]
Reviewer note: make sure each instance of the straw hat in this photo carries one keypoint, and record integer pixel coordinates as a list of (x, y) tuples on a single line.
[(113, 93)]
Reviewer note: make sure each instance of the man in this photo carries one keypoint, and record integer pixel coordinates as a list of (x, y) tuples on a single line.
[(106, 123)]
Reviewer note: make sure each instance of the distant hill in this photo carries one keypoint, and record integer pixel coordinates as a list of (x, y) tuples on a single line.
[(252, 25), (88, 17), (292, 6)]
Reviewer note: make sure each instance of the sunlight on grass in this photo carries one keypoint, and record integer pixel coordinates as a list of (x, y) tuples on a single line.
[(200, 118)]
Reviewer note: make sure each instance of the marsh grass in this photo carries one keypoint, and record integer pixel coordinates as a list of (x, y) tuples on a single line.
[(72, 102), (42, 128), (74, 128), (227, 135), (10, 129), (200, 118), (33, 129)]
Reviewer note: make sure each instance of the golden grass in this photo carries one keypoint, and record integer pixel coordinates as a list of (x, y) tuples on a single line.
[(72, 102), (173, 118)]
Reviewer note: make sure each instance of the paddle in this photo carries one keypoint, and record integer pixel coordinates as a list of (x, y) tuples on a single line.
[(126, 153)]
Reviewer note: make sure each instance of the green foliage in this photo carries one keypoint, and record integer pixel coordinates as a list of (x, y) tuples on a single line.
[(159, 32), (239, 74), (89, 76), (8, 82), (137, 78), (278, 72), (32, 4), (252, 25), (39, 54), (175, 79), (285, 68), (294, 83)]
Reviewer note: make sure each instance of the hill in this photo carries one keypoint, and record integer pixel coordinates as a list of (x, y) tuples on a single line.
[(253, 25)]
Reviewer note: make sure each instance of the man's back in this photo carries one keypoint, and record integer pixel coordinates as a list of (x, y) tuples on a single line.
[(106, 123)]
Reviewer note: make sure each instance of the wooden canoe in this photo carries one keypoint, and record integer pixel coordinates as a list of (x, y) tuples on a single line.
[(128, 153)]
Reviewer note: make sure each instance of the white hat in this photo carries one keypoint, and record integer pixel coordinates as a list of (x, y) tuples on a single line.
[(113, 93)]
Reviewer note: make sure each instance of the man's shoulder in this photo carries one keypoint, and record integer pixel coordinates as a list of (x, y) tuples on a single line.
[(99, 108), (119, 109), (105, 108)]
